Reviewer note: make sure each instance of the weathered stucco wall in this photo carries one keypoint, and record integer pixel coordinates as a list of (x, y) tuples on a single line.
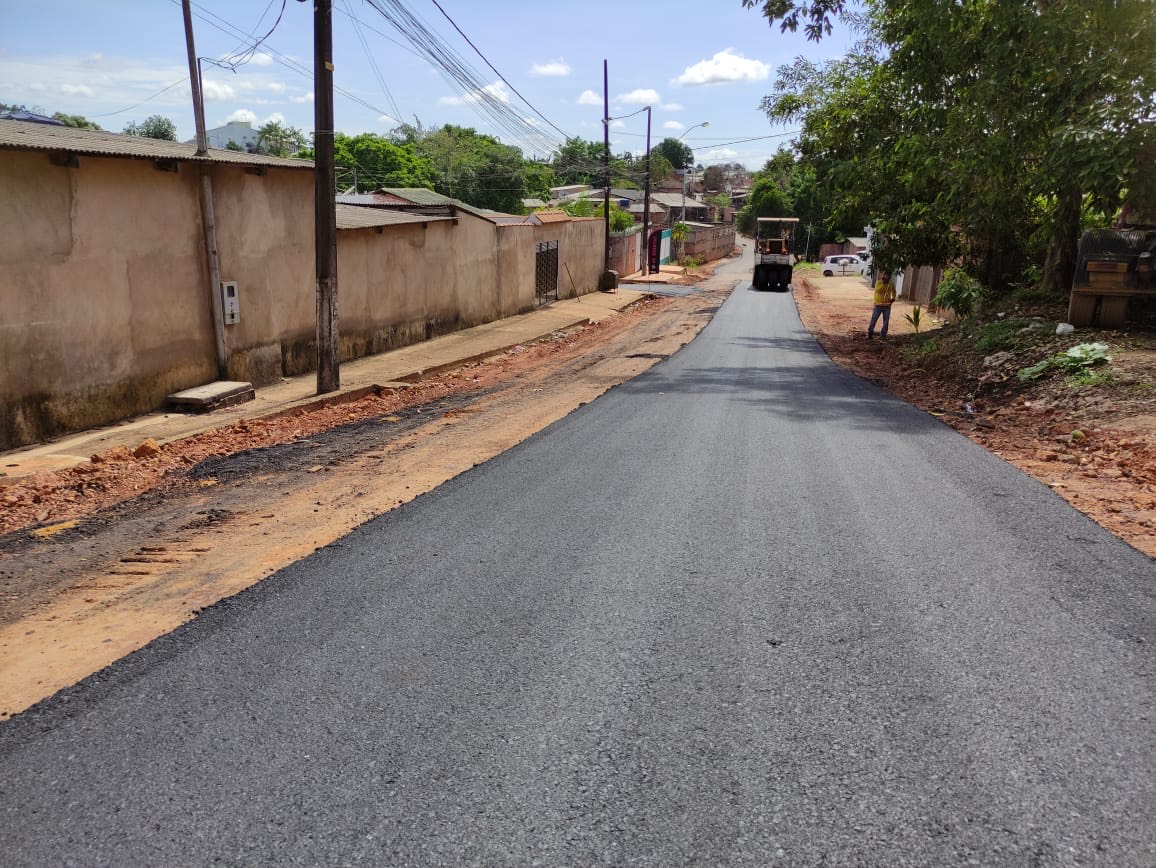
[(104, 300), (411, 282)]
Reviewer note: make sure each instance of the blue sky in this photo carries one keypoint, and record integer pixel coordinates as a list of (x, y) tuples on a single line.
[(112, 60)]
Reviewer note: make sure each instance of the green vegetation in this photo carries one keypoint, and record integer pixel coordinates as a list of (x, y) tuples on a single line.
[(999, 334), (967, 133), (153, 127), (1075, 363), (915, 318), (959, 292)]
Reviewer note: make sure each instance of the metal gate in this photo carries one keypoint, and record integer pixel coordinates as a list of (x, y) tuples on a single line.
[(546, 271)]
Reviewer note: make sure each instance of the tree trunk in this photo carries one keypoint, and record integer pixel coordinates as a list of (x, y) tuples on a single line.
[(1060, 264)]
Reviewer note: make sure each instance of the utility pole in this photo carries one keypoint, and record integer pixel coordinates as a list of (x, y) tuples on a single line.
[(325, 200), (646, 203), (606, 281), (208, 213)]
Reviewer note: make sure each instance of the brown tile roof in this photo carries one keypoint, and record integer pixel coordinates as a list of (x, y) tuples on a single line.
[(26, 136), (552, 215)]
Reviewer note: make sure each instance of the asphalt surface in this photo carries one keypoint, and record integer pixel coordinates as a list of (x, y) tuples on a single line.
[(744, 609)]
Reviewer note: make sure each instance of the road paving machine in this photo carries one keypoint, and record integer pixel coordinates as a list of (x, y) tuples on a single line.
[(775, 253)]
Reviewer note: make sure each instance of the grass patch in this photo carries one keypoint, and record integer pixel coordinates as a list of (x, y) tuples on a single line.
[(1089, 377), (919, 348), (1000, 334)]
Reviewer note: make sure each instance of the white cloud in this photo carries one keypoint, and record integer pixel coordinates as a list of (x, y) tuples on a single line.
[(217, 91), (725, 67), (617, 125), (242, 115), (490, 91), (304, 98), (589, 97), (672, 107), (261, 59), (76, 90), (251, 117), (673, 125), (386, 119), (719, 154), (638, 96), (275, 87), (557, 68)]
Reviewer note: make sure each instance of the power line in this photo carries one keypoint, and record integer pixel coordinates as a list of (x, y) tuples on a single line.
[(495, 71)]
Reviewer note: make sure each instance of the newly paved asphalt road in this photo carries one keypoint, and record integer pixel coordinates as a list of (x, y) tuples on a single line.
[(745, 609)]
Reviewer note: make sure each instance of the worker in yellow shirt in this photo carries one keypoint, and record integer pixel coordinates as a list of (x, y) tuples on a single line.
[(884, 296)]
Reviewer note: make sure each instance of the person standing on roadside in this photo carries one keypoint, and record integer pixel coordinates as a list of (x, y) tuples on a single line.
[(884, 296)]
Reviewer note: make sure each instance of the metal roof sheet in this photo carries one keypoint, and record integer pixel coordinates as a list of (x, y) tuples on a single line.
[(358, 217), (26, 136), (427, 197)]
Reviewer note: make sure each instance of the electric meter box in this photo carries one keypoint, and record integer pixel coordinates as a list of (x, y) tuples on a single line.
[(230, 303)]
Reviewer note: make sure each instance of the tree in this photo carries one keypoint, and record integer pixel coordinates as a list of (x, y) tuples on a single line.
[(679, 232), (815, 14), (233, 146), (476, 168), (78, 121), (715, 178), (972, 130), (579, 162), (677, 153), (371, 162), (278, 140), (660, 168), (153, 127), (766, 199)]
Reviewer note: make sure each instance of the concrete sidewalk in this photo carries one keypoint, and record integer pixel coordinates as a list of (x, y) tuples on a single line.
[(358, 378)]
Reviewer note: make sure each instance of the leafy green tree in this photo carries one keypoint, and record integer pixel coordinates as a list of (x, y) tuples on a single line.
[(678, 154), (278, 140), (153, 127), (476, 168), (815, 15), (540, 178), (579, 162), (369, 162), (233, 146), (766, 199), (660, 168), (973, 130), (78, 121)]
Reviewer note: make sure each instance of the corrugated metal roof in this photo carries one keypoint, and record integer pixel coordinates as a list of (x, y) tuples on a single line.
[(371, 200), (426, 197), (356, 217), (419, 195), (25, 136)]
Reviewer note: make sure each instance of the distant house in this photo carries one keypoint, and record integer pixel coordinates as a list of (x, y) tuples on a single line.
[(238, 132), (29, 117)]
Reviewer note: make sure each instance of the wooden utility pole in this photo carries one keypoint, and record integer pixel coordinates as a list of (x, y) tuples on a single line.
[(646, 203), (325, 200), (208, 213), (606, 171)]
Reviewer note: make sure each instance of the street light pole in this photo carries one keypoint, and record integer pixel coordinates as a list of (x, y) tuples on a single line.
[(686, 168)]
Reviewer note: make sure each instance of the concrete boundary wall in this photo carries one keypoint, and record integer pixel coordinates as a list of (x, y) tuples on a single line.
[(104, 300)]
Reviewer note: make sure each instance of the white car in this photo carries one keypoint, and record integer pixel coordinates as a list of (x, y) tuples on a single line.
[(844, 263)]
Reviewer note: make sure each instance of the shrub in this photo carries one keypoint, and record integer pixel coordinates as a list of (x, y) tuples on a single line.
[(959, 292)]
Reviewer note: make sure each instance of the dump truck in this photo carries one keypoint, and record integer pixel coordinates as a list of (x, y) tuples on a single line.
[(775, 253)]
